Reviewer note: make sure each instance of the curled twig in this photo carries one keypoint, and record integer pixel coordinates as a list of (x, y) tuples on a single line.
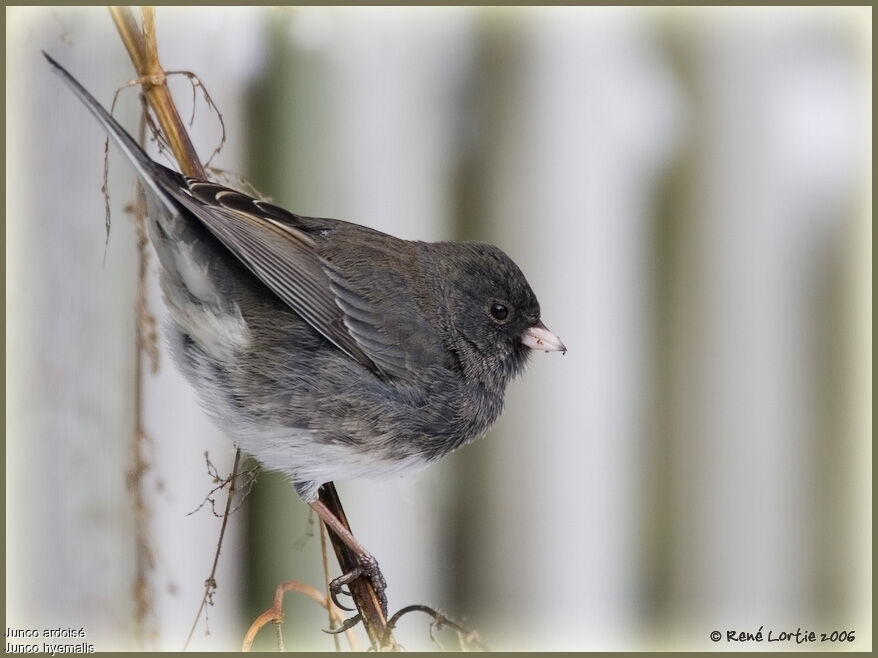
[(467, 639), (158, 136), (275, 613), (196, 84)]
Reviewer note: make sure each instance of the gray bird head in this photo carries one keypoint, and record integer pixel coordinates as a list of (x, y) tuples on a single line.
[(494, 314)]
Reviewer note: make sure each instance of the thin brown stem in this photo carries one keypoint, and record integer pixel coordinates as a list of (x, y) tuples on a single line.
[(131, 35), (151, 49), (362, 592), (144, 343), (143, 51), (210, 583), (324, 558)]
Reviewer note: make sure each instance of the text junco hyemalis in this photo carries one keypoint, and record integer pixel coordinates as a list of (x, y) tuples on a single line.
[(324, 349)]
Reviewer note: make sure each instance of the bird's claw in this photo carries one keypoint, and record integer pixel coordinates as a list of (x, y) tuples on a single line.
[(335, 588), (346, 625), (367, 568)]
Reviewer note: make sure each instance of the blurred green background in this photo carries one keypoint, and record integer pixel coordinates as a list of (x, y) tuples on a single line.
[(687, 190)]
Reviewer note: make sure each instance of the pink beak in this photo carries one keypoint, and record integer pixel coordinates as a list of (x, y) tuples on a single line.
[(540, 338)]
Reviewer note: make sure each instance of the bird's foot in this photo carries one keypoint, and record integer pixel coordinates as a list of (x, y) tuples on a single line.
[(367, 567)]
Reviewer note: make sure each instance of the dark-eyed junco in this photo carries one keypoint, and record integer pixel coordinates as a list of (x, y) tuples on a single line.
[(325, 349)]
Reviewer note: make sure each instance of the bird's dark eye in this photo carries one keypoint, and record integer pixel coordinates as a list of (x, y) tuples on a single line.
[(499, 312)]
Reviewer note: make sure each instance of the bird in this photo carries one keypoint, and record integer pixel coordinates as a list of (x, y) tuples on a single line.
[(325, 349)]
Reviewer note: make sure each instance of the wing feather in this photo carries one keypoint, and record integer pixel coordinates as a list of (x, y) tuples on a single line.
[(285, 260), (351, 311)]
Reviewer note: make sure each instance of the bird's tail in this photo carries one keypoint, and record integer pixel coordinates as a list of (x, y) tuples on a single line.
[(145, 167)]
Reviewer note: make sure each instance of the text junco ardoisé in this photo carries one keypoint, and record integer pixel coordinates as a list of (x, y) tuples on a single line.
[(328, 350)]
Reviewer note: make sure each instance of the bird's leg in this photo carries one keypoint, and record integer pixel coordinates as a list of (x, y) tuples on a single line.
[(367, 566)]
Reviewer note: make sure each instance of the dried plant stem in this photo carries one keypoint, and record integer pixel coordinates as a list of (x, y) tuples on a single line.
[(361, 589), (275, 612), (467, 639), (145, 345), (210, 583), (143, 51), (324, 558)]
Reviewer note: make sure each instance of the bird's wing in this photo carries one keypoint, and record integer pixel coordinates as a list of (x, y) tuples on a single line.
[(376, 291), (279, 248), (349, 311)]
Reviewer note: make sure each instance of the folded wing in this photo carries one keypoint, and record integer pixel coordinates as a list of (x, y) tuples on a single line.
[(356, 293)]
